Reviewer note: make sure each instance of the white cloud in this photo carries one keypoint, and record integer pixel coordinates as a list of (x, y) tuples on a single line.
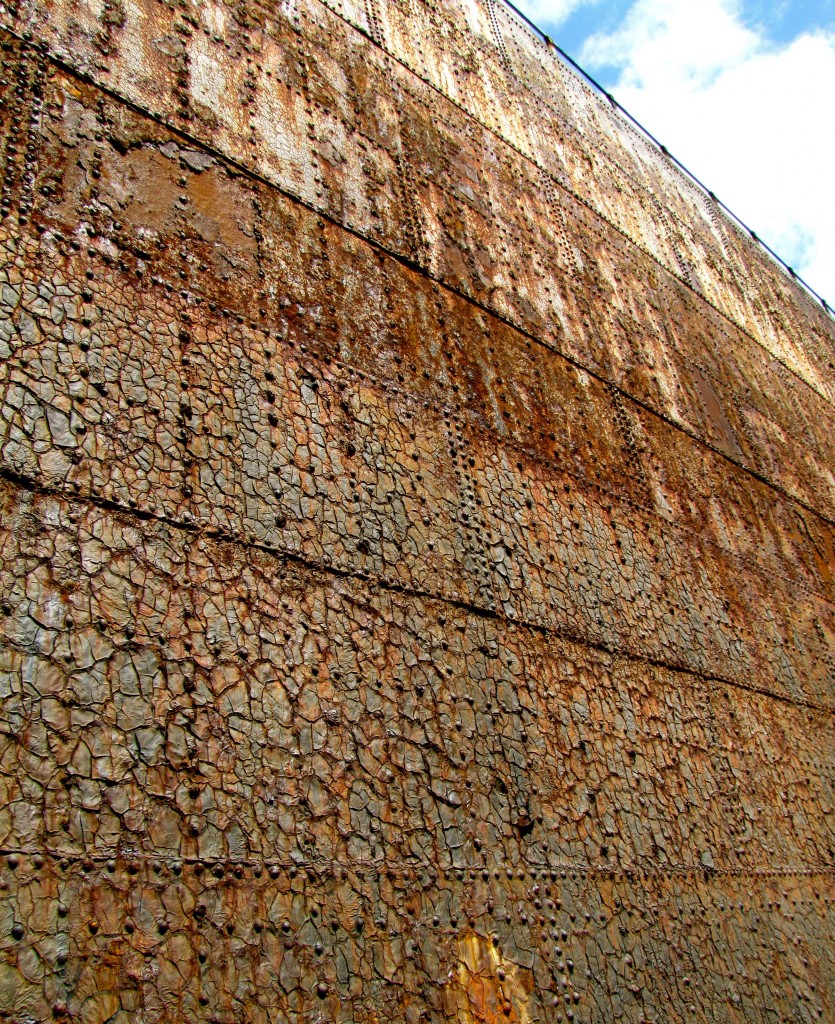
[(550, 12), (752, 119)]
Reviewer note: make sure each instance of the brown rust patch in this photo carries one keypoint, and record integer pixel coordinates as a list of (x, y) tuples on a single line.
[(496, 990)]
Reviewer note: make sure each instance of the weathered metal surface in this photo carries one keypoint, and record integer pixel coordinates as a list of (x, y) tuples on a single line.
[(417, 554)]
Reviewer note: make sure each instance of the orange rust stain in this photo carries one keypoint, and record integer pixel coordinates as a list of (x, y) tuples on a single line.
[(492, 986)]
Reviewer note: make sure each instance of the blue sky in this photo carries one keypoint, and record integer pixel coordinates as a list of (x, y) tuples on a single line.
[(741, 91), (780, 20)]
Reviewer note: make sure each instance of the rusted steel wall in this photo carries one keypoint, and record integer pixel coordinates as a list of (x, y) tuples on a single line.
[(417, 553)]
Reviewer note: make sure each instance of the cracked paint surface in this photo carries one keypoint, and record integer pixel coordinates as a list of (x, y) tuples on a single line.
[(416, 556)]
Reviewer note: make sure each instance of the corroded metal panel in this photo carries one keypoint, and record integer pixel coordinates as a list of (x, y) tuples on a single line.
[(278, 788), (428, 198), (417, 539)]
